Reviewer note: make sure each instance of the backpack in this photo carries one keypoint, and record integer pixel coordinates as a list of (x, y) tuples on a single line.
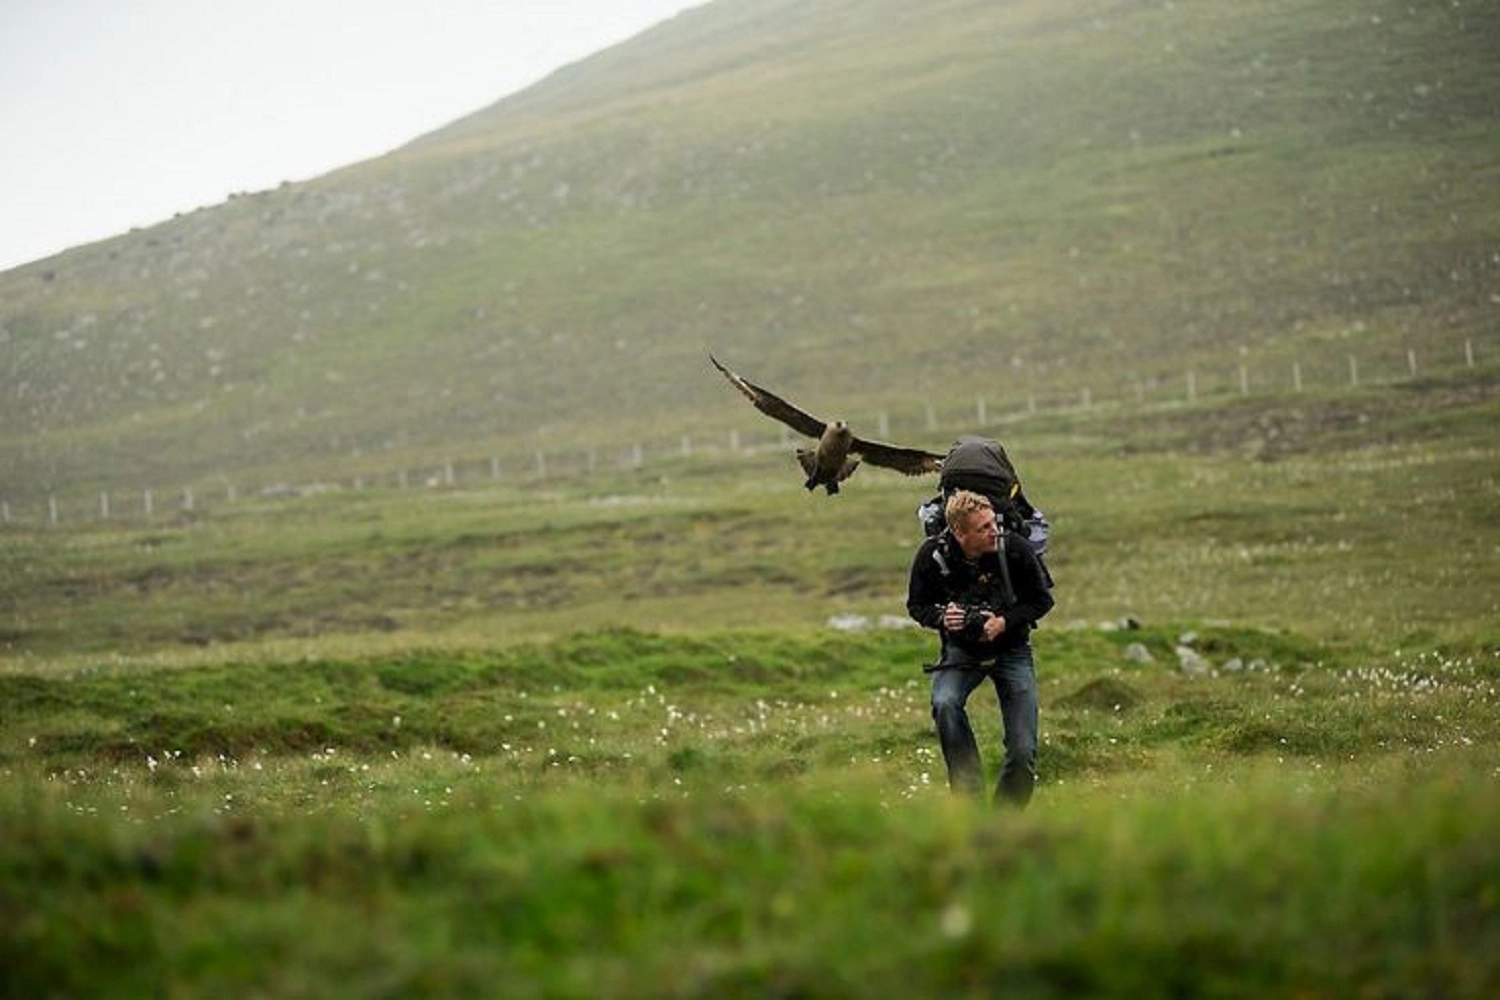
[(981, 465)]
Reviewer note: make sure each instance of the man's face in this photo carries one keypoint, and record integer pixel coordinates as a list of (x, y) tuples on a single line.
[(979, 534)]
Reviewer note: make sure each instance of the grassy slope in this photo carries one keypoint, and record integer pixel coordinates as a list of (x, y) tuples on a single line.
[(1106, 187), (1361, 515)]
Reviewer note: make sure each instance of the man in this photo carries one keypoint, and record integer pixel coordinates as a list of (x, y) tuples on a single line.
[(983, 591)]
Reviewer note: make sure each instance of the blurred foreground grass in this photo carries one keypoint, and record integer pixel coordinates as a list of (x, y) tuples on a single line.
[(1267, 884)]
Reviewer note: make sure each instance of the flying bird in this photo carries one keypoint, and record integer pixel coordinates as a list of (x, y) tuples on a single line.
[(838, 451)]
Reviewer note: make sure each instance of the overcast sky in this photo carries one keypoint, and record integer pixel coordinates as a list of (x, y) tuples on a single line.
[(119, 113)]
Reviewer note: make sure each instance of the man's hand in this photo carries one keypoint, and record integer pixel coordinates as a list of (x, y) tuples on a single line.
[(953, 621)]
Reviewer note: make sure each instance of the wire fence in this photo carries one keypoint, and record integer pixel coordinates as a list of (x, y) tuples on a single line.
[(1192, 386)]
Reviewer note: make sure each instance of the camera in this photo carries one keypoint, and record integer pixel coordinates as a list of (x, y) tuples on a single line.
[(974, 617)]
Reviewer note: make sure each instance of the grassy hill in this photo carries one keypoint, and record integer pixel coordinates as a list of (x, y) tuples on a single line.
[(863, 205)]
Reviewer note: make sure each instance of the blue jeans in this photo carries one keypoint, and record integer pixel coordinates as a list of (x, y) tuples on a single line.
[(1014, 675)]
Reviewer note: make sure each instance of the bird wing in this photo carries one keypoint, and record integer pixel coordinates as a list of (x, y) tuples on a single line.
[(773, 405), (911, 461)]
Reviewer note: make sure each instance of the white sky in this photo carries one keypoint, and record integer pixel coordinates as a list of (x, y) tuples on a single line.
[(119, 113)]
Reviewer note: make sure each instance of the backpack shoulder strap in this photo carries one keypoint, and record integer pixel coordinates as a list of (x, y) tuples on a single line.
[(940, 559), (1007, 589)]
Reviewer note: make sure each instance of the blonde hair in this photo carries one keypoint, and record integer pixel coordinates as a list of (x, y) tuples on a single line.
[(963, 505)]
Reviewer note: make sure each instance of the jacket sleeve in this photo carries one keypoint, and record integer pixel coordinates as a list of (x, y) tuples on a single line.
[(926, 596), (1033, 596)]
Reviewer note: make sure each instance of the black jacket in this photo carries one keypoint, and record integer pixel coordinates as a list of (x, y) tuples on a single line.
[(940, 574)]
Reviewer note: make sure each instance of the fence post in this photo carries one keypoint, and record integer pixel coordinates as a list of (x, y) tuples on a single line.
[(1192, 386), (979, 413), (104, 506), (1411, 361), (1244, 381), (1469, 353), (148, 502), (52, 510), (1297, 376), (448, 477), (5, 511), (187, 499), (1353, 370)]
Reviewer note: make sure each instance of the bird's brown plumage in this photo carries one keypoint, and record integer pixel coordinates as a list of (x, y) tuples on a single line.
[(839, 451)]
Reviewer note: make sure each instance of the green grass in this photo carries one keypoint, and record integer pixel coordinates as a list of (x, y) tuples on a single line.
[(601, 740), (744, 896), (1249, 511), (746, 813)]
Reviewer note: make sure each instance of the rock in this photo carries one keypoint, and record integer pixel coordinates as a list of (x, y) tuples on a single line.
[(849, 623), (1191, 663), (1138, 653)]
